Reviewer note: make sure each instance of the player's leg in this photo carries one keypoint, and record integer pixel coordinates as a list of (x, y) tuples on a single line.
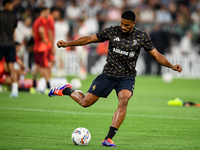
[(118, 117), (34, 78), (77, 95), (7, 80), (84, 100), (44, 64), (10, 59), (124, 90), (100, 87)]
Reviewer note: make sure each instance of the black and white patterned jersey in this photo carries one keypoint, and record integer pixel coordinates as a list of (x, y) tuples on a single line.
[(123, 50), (8, 23)]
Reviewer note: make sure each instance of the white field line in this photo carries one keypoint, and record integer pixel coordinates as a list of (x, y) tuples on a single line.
[(91, 113)]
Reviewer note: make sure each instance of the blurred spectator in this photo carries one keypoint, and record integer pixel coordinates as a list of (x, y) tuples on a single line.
[(73, 12), (198, 42), (186, 47), (82, 51), (161, 42), (183, 19), (163, 15), (91, 17), (147, 15), (54, 15), (61, 33), (102, 15), (23, 33), (41, 50)]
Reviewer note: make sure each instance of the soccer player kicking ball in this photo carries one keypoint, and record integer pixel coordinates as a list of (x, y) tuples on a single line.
[(125, 42)]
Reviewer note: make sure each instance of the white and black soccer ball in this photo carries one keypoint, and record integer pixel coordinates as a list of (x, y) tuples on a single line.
[(167, 77), (81, 136)]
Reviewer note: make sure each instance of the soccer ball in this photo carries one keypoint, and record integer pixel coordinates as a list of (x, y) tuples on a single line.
[(167, 77), (81, 136)]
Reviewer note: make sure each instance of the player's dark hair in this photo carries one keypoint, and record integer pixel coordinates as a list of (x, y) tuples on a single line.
[(17, 43), (6, 2), (128, 15), (54, 9), (62, 14), (43, 8)]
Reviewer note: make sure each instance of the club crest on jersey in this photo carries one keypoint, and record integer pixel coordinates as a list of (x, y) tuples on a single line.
[(134, 42), (131, 54)]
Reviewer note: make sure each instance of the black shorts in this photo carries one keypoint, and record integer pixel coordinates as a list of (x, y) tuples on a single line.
[(8, 52), (104, 84)]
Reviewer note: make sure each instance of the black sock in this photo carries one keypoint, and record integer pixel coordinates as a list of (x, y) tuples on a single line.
[(34, 83), (111, 132), (67, 91), (48, 85)]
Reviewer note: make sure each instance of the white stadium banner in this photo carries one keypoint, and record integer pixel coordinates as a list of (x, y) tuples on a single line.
[(72, 63), (190, 65)]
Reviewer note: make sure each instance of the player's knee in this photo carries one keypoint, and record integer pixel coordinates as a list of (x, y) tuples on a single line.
[(123, 102), (85, 104)]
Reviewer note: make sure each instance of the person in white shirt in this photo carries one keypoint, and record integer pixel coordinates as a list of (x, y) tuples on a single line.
[(61, 32)]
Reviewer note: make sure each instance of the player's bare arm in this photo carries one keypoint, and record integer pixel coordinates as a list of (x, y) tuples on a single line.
[(79, 42), (163, 61), (41, 31)]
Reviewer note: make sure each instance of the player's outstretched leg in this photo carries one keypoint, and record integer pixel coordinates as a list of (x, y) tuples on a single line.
[(59, 90), (77, 95)]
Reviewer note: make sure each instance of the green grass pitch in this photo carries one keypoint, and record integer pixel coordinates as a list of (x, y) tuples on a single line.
[(38, 122)]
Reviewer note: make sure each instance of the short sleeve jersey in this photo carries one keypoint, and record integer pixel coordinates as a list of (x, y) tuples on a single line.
[(8, 23), (39, 45), (50, 24), (123, 50)]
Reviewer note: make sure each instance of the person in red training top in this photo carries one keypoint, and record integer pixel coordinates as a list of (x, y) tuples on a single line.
[(41, 49), (54, 15), (5, 76)]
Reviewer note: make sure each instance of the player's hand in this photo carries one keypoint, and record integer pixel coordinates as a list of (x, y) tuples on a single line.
[(177, 68), (61, 43)]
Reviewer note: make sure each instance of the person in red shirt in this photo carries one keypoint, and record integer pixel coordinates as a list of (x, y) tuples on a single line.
[(5, 75), (54, 15), (41, 48)]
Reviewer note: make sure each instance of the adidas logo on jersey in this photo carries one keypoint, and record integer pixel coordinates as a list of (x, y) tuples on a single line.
[(117, 39)]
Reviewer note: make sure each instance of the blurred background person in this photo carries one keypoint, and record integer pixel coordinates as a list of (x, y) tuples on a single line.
[(161, 41), (8, 23), (5, 74), (41, 49), (61, 32), (82, 51), (23, 33), (186, 46), (54, 15)]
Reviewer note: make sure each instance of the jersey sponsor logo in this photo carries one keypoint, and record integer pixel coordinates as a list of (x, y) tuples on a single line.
[(120, 51), (117, 39), (134, 42)]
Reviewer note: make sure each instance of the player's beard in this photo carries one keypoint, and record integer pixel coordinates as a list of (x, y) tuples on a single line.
[(127, 32)]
